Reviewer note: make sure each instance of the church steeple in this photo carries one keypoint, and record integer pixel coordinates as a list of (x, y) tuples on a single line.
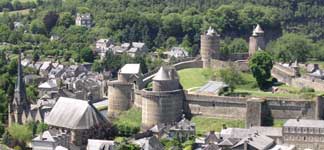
[(19, 105)]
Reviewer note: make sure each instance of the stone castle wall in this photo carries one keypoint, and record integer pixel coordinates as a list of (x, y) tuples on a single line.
[(219, 64), (216, 106), (301, 82)]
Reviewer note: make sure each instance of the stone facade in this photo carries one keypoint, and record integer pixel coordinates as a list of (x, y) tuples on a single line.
[(304, 134), (120, 96), (84, 20)]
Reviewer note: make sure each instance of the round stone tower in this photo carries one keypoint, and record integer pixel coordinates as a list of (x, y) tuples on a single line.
[(164, 103), (256, 41), (209, 47), (120, 94), (119, 97)]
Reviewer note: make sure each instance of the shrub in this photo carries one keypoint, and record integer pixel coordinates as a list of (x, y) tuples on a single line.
[(307, 90)]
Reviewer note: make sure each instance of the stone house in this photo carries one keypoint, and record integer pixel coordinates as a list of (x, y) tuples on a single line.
[(177, 52), (102, 46), (80, 120), (45, 68), (149, 143), (183, 130), (132, 49), (47, 87), (304, 133), (56, 73), (254, 142), (84, 20), (49, 140), (94, 144)]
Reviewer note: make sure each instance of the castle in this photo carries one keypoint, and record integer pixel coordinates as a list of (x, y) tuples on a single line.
[(166, 100)]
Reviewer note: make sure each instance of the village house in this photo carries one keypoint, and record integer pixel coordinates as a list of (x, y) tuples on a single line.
[(102, 46), (84, 20), (183, 130), (45, 68), (304, 133), (177, 52), (132, 49)]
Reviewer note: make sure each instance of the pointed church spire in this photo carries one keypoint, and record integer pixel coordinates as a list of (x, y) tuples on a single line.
[(19, 107), (20, 88)]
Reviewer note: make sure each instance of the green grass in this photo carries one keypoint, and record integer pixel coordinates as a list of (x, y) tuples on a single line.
[(206, 124), (278, 123), (131, 118), (194, 77)]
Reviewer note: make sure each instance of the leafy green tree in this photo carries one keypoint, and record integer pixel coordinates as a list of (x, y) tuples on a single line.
[(231, 76), (37, 27), (87, 55), (66, 19), (260, 65), (50, 20), (3, 105), (31, 92), (41, 127), (97, 66), (171, 41), (238, 45), (225, 18), (291, 47), (36, 56), (21, 133)]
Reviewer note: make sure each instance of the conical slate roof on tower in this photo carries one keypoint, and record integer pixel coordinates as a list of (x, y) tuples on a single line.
[(162, 74), (258, 30)]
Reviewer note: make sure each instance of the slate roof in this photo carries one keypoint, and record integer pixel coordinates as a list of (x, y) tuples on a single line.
[(138, 44), (258, 29), (48, 84), (237, 133), (317, 73), (162, 74), (259, 142), (130, 69), (184, 124), (227, 142), (60, 148), (94, 144), (267, 131), (46, 65), (212, 87), (304, 123), (150, 143), (211, 137), (74, 114), (211, 146)]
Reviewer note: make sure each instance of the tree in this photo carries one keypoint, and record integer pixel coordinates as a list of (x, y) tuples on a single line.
[(171, 41), (238, 45), (50, 20), (66, 19), (37, 27), (36, 56), (3, 105), (97, 66), (260, 65), (87, 55), (291, 47), (231, 76), (21, 133)]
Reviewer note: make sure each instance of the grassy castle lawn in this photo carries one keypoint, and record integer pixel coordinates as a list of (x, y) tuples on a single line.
[(131, 118), (196, 77), (206, 124)]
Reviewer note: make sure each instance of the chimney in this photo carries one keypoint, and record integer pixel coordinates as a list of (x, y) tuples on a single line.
[(246, 145), (298, 118), (224, 126)]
